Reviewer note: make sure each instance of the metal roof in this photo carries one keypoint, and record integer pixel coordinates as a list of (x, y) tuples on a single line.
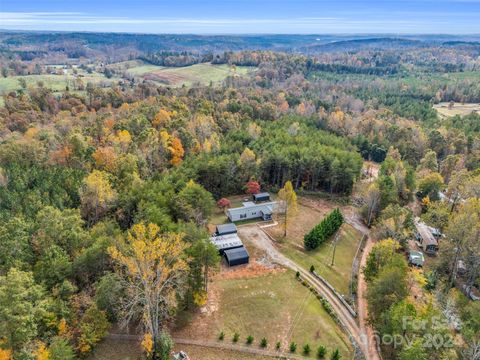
[(266, 208), (229, 228), (226, 241), (262, 194), (425, 233), (236, 254)]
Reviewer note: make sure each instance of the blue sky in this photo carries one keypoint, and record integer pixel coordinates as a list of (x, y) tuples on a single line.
[(244, 16)]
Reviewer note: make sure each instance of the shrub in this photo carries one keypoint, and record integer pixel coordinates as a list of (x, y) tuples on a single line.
[(297, 274), (249, 339), (335, 355), (263, 343), (236, 336), (324, 230), (321, 352), (312, 269), (221, 336), (306, 349), (278, 345), (293, 347)]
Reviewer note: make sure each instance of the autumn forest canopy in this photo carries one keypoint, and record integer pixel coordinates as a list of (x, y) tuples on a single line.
[(106, 184)]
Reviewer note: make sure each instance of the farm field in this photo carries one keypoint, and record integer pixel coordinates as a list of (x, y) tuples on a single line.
[(263, 300), (188, 75), (56, 83), (306, 218), (458, 109)]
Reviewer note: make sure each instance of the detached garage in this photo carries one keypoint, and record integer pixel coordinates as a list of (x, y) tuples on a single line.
[(236, 256)]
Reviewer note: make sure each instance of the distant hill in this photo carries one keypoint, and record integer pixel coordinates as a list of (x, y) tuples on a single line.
[(383, 43)]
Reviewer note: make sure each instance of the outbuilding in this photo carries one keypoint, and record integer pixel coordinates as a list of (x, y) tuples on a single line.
[(263, 196), (425, 238), (226, 229), (237, 256)]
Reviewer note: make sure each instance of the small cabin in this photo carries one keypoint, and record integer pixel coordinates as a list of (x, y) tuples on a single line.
[(260, 197)]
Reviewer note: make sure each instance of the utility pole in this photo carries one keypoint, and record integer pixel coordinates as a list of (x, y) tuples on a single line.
[(334, 248)]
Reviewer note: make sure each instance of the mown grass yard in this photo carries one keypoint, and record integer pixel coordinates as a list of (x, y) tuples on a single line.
[(272, 304), (292, 246)]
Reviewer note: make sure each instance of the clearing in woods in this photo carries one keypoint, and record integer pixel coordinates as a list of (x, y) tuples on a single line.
[(446, 110), (189, 75), (263, 300), (310, 212)]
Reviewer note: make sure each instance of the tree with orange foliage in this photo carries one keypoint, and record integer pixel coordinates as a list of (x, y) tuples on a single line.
[(162, 118), (223, 203), (176, 151), (105, 158)]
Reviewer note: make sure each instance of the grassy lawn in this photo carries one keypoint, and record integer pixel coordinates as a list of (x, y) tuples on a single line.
[(188, 75), (307, 217), (205, 353), (53, 82), (112, 349), (272, 305)]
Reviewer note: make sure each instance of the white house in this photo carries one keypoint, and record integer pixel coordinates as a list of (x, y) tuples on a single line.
[(250, 210)]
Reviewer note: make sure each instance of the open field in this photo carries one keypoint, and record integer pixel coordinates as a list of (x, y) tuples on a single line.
[(262, 300), (54, 82), (458, 109), (188, 75), (307, 217), (175, 76)]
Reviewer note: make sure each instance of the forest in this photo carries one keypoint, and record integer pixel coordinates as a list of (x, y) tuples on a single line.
[(105, 193)]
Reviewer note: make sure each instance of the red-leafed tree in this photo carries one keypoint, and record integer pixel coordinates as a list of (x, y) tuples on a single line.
[(223, 203), (252, 187)]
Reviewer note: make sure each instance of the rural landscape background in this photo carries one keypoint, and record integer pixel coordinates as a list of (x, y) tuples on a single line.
[(122, 154)]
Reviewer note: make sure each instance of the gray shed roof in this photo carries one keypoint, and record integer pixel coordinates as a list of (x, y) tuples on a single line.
[(229, 228), (262, 194)]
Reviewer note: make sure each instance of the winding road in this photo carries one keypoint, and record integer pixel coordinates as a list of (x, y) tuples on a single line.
[(360, 334)]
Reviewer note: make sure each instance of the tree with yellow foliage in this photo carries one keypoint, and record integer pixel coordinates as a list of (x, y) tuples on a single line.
[(154, 269), (96, 196), (288, 197), (6, 354), (41, 352)]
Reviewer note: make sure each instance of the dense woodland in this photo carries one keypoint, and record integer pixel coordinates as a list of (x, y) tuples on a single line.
[(101, 190)]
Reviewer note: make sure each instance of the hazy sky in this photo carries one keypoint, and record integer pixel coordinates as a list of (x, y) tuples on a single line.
[(244, 16)]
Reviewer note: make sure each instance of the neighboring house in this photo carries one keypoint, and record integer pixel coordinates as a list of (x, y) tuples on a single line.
[(250, 210), (237, 256), (263, 196), (416, 258), (226, 229), (425, 238)]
